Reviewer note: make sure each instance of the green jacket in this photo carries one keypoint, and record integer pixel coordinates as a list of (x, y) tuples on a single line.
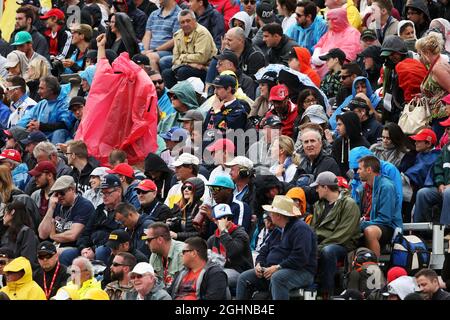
[(186, 94), (175, 263), (442, 167), (340, 226)]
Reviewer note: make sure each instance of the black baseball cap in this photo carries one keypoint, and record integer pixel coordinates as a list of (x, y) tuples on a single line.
[(265, 11), (368, 34), (334, 53), (77, 101), (272, 121), (46, 247), (230, 56), (270, 77), (140, 58), (110, 181), (116, 238), (224, 81)]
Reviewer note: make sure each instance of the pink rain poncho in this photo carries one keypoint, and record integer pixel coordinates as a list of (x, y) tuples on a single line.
[(340, 35), (120, 112)]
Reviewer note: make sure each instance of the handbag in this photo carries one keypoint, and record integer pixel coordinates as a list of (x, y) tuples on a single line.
[(415, 116)]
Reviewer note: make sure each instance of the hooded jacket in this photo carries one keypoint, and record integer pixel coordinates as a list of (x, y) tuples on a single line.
[(304, 58), (51, 112), (24, 288), (153, 162), (374, 99), (186, 94), (211, 283), (245, 18), (280, 53), (373, 74), (25, 245), (309, 36), (212, 20), (410, 43), (421, 173), (420, 5), (138, 18), (353, 138), (340, 225), (387, 169), (227, 9)]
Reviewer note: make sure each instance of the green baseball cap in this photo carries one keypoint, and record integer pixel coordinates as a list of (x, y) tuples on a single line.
[(22, 37)]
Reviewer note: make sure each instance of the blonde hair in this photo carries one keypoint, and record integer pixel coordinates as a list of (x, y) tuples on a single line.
[(432, 43), (37, 69), (6, 183), (287, 144)]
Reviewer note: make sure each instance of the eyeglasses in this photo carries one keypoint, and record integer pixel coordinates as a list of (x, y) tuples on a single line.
[(216, 189), (158, 81), (150, 239), (116, 264), (251, 1), (186, 250), (139, 191), (12, 88), (106, 193), (188, 188), (345, 76), (45, 256)]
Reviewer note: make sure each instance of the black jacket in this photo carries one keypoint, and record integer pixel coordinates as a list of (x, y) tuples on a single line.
[(157, 211), (212, 20), (40, 44), (60, 281), (441, 295), (138, 18), (280, 53), (154, 162), (213, 283), (371, 129), (147, 7), (251, 59), (237, 248), (82, 178), (354, 138), (186, 230), (98, 228)]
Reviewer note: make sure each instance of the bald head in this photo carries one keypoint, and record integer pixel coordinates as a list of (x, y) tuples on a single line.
[(235, 40)]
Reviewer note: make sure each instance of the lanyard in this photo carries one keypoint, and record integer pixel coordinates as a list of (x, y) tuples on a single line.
[(47, 292)]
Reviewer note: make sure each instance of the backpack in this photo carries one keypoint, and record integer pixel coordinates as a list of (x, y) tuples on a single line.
[(365, 275), (410, 253)]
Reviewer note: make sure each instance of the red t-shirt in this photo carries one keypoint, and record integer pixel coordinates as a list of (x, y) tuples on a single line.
[(188, 286)]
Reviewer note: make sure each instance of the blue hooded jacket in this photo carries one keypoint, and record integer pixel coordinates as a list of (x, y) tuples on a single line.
[(374, 100), (308, 37), (421, 173), (51, 111), (387, 169)]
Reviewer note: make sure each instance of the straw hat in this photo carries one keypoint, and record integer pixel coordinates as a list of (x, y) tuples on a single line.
[(284, 206)]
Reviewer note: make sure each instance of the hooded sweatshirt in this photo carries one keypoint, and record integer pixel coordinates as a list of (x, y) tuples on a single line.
[(304, 57), (353, 138), (24, 288), (374, 99), (245, 18), (410, 43), (420, 5), (154, 162), (309, 36), (138, 18), (186, 94), (444, 26)]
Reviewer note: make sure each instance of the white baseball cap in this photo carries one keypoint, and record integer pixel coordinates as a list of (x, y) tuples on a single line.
[(142, 268), (186, 158), (240, 161)]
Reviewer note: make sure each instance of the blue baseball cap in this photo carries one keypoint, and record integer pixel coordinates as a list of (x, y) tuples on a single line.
[(110, 181), (175, 134), (222, 181), (222, 210), (34, 137)]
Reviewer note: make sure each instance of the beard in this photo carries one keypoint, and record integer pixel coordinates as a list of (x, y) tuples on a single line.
[(117, 276)]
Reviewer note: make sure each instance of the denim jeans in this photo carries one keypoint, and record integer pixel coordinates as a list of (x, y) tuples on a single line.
[(103, 253), (279, 284), (428, 197), (165, 62), (182, 73), (66, 257), (328, 258)]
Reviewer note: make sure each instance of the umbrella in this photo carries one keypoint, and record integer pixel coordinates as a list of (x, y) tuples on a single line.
[(294, 80)]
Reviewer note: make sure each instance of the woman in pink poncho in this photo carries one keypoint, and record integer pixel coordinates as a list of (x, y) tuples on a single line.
[(341, 35)]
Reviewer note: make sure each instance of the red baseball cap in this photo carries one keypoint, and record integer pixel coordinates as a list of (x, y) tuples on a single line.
[(41, 167), (11, 154), (445, 123), (53, 13), (123, 169), (425, 135), (342, 182), (146, 185), (279, 93), (222, 144), (446, 99)]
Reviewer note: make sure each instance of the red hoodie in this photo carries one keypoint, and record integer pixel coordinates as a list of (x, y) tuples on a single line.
[(304, 57)]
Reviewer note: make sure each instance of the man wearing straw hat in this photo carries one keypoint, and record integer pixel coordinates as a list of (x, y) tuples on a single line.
[(291, 264)]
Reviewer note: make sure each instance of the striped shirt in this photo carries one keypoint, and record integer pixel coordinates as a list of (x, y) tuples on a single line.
[(162, 28)]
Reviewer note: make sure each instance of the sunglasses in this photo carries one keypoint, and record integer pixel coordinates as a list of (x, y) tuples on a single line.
[(251, 1), (150, 239), (188, 188), (139, 191), (45, 256), (136, 276), (187, 250), (158, 81), (216, 189), (116, 264), (12, 88)]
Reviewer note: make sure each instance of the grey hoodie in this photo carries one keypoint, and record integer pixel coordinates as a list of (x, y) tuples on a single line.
[(245, 18)]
